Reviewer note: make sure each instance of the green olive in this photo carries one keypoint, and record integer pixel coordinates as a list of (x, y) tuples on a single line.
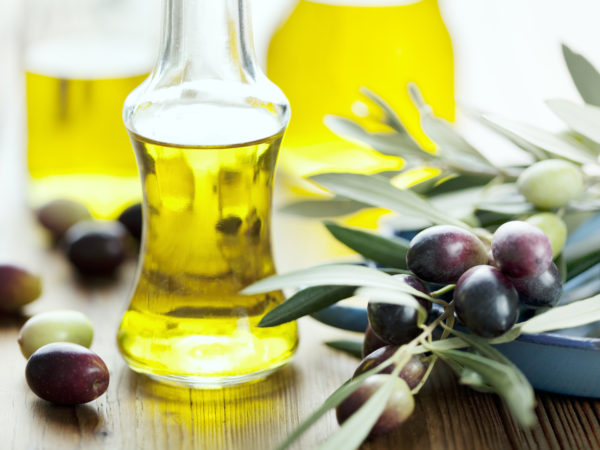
[(551, 183), (554, 227), (55, 326)]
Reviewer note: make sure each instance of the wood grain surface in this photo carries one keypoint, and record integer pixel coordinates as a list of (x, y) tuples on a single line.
[(139, 414)]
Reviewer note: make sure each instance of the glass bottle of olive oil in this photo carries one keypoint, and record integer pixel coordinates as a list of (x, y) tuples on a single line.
[(80, 63), (328, 49), (206, 127)]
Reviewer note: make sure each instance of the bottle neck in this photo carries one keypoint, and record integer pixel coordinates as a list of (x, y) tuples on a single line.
[(206, 39)]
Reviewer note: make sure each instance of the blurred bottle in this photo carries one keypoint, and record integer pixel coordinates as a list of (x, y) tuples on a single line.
[(328, 49), (81, 59)]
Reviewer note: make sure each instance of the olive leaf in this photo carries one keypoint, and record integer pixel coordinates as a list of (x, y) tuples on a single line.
[(391, 144), (304, 302), (584, 75), (584, 119), (572, 315), (378, 191), (384, 251), (333, 207), (534, 151), (332, 274), (504, 379), (457, 150), (391, 118), (352, 348), (550, 142)]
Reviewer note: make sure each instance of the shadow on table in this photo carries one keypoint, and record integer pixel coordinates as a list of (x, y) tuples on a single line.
[(84, 420)]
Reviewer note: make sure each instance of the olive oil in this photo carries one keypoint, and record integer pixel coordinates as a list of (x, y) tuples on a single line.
[(207, 236), (328, 49), (77, 145)]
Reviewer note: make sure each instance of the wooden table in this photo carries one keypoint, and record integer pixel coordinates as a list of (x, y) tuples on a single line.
[(139, 414)]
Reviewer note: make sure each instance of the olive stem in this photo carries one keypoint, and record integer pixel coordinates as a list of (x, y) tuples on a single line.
[(442, 291)]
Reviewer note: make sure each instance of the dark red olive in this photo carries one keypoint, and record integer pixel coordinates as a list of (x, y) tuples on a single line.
[(66, 374), (412, 372), (398, 408)]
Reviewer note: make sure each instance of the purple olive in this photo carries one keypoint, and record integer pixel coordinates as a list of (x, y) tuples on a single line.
[(521, 250), (17, 287), (442, 253), (59, 215), (66, 374), (486, 301), (543, 290), (412, 372), (398, 408)]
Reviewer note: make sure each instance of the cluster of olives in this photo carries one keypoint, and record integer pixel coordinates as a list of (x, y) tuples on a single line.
[(490, 283), (60, 367), (493, 279), (94, 247)]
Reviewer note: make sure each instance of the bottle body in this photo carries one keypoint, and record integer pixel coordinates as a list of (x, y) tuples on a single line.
[(206, 130), (328, 49), (80, 63)]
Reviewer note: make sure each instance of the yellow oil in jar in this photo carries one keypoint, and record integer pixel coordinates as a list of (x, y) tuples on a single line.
[(328, 49), (77, 145), (207, 236)]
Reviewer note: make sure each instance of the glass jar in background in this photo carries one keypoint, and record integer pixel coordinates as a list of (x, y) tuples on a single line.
[(81, 58), (328, 49)]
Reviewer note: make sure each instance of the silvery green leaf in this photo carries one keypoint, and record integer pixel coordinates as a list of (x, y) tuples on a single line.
[(304, 302), (395, 297), (331, 275), (506, 380), (572, 315), (378, 191), (352, 348), (543, 139), (392, 144), (584, 75), (474, 380), (391, 118), (356, 428), (334, 207), (584, 119), (534, 151), (450, 143), (384, 251)]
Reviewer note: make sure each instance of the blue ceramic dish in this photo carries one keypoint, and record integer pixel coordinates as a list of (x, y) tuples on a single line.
[(564, 362)]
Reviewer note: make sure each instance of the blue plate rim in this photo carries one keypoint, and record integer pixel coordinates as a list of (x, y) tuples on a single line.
[(549, 339)]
